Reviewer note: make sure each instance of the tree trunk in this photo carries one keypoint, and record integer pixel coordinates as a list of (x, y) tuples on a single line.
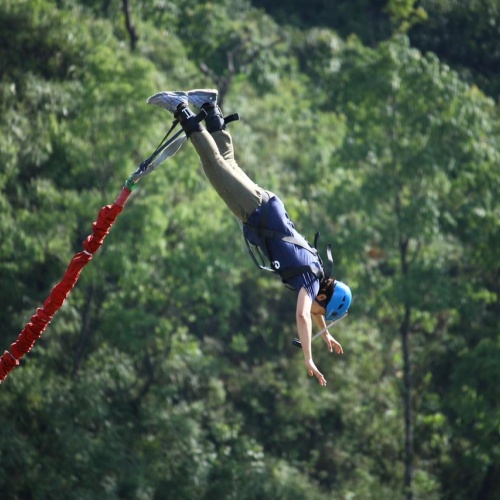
[(407, 396), (134, 37), (404, 330)]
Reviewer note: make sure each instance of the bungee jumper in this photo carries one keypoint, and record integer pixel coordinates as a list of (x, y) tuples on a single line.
[(269, 233)]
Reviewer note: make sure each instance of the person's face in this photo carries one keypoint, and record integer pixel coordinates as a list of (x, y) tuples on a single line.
[(316, 308)]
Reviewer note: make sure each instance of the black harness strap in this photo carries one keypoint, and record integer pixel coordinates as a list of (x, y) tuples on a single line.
[(269, 233), (290, 272), (265, 234)]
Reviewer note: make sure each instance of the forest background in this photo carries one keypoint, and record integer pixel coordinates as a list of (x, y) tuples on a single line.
[(169, 372)]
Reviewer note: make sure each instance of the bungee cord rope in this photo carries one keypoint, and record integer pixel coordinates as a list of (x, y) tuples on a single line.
[(100, 229)]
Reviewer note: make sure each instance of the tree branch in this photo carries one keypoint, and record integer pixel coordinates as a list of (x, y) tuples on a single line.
[(134, 37)]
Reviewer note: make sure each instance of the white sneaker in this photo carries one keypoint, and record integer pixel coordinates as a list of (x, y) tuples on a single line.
[(169, 100), (198, 97)]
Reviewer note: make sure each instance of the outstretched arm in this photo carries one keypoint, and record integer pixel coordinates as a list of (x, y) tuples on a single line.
[(304, 327)]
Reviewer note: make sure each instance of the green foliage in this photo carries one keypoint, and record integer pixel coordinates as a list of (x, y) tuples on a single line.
[(367, 18), (463, 34), (169, 372), (425, 136), (404, 14), (470, 45)]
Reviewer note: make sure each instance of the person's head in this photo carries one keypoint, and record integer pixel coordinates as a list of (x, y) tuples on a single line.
[(335, 298)]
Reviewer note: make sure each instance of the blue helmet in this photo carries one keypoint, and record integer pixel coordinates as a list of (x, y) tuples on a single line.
[(340, 301)]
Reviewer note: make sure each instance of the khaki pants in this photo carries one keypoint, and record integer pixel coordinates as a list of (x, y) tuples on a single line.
[(238, 191)]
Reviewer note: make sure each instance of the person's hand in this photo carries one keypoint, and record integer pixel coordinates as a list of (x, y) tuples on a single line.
[(332, 343), (312, 370)]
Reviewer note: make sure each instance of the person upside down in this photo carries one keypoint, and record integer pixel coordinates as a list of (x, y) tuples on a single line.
[(265, 221)]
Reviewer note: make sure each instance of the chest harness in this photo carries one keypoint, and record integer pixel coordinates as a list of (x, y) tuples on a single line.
[(261, 257)]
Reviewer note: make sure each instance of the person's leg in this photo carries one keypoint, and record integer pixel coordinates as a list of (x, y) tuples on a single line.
[(206, 99), (237, 190), (239, 186), (216, 126), (224, 143)]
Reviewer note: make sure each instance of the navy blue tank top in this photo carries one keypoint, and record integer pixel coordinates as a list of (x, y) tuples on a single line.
[(282, 254)]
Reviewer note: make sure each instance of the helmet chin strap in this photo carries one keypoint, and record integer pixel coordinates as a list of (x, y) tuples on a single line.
[(329, 267)]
